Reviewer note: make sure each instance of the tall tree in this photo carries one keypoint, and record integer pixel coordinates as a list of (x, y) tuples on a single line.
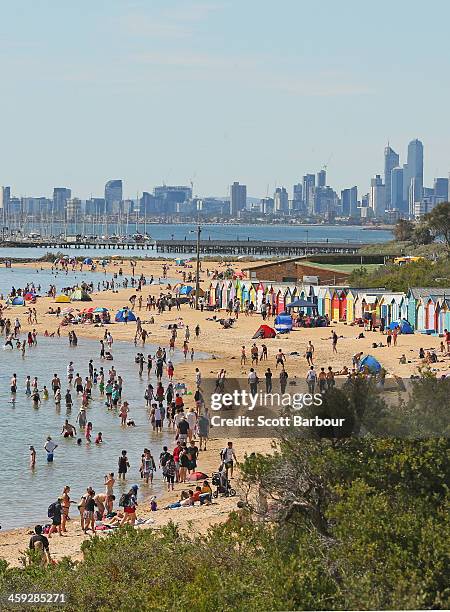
[(438, 220), (403, 230)]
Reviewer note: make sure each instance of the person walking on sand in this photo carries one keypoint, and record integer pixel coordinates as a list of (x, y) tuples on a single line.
[(309, 354), (334, 341)]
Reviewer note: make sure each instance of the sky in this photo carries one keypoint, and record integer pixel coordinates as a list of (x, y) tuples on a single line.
[(213, 91)]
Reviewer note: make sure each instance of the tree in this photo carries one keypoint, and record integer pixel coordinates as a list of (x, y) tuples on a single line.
[(403, 230), (438, 221), (422, 235)]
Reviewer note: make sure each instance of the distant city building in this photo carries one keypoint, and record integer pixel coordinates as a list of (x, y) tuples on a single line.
[(349, 202), (149, 204), (309, 182), (391, 161), (281, 201), (377, 197), (267, 206), (325, 202), (440, 188), (238, 198), (60, 197), (397, 201), (113, 196), (413, 174), (5, 197), (321, 178), (73, 210), (169, 196), (95, 207)]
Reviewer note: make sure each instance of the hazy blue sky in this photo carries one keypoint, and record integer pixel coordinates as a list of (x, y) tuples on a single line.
[(259, 91)]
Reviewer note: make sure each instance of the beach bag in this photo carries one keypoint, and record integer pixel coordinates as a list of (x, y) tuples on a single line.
[(124, 500), (51, 510)]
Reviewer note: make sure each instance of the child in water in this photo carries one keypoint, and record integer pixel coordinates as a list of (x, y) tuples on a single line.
[(99, 438), (88, 432)]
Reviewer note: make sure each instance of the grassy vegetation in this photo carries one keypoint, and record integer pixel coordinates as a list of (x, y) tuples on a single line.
[(424, 273), (344, 267)]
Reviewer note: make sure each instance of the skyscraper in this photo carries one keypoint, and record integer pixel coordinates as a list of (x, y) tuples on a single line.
[(414, 171), (321, 178), (238, 198), (309, 181), (5, 197), (113, 195), (60, 197), (391, 161), (349, 202), (377, 196), (397, 200), (281, 201)]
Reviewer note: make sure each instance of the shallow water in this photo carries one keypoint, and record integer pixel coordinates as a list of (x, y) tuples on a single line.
[(19, 277), (26, 494)]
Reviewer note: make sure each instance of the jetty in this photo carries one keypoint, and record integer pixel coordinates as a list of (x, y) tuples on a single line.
[(262, 248)]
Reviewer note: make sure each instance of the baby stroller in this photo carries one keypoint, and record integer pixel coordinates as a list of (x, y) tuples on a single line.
[(222, 484)]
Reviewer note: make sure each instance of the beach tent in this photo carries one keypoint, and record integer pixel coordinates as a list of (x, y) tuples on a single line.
[(371, 363), (179, 262), (88, 261), (18, 301), (81, 296), (120, 318), (62, 299), (186, 290), (404, 326), (264, 331), (283, 323)]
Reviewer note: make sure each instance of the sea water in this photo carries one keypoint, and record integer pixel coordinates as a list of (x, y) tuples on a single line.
[(25, 493)]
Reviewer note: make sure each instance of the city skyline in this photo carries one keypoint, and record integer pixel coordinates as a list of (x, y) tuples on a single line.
[(197, 91)]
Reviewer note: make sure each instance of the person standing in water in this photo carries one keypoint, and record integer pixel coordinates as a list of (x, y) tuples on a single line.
[(32, 457)]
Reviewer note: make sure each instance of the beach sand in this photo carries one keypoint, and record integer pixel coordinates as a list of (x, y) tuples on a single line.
[(224, 346)]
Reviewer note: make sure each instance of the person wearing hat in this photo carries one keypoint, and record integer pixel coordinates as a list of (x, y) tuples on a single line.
[(129, 510)]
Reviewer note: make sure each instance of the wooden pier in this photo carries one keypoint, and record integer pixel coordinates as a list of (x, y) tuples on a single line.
[(261, 248)]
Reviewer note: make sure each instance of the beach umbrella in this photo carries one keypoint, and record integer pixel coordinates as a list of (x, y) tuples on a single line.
[(88, 261), (29, 296), (87, 311), (101, 309), (18, 301), (66, 257), (67, 310)]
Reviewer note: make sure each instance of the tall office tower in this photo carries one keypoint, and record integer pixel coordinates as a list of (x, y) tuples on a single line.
[(322, 178), (169, 196), (377, 196), (281, 201), (5, 198), (391, 161), (309, 182), (297, 192), (397, 201), (440, 188), (60, 197), (238, 198), (349, 202), (113, 195), (414, 171)]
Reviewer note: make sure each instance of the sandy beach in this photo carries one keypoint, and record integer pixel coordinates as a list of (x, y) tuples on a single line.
[(224, 346)]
